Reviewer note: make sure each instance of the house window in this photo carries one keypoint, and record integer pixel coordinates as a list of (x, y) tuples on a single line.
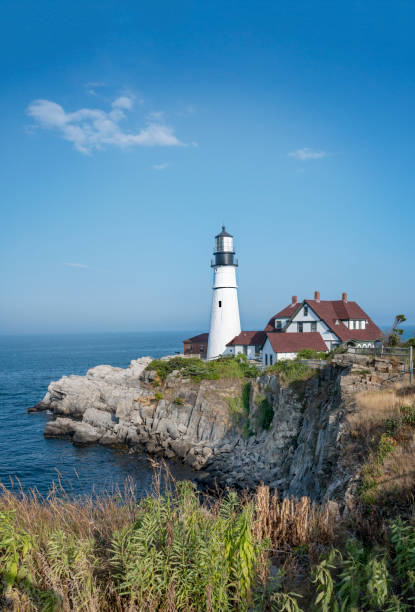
[(202, 348), (299, 327), (306, 311), (270, 360), (278, 325), (351, 324), (220, 304), (266, 359), (314, 326)]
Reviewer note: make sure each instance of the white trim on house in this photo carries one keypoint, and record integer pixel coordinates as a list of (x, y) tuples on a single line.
[(310, 321)]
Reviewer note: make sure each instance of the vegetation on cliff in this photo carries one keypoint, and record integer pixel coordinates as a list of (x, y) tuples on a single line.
[(382, 441), (225, 367)]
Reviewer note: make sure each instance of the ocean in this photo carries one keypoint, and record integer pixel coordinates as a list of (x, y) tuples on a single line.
[(27, 365)]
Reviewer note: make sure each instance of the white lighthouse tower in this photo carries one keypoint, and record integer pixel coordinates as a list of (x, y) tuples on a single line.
[(224, 319)]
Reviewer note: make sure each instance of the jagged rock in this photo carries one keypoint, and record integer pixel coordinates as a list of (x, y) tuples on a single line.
[(85, 434), (300, 453)]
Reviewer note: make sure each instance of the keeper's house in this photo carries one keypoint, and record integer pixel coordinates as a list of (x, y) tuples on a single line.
[(317, 324)]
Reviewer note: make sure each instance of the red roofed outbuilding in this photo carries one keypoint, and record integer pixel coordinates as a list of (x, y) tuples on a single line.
[(196, 346), (247, 342)]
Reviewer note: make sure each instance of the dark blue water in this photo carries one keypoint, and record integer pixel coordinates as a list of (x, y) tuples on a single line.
[(27, 365)]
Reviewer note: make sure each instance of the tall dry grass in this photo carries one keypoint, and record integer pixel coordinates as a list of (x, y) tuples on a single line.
[(374, 407)]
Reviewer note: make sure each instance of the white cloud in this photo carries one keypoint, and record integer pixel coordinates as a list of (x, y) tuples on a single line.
[(160, 166), (75, 265), (306, 154), (123, 102), (90, 129)]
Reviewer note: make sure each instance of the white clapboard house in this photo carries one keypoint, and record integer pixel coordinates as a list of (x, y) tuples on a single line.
[(320, 325)]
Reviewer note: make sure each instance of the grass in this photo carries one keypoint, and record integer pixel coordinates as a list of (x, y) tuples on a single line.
[(291, 371), (382, 429), (173, 550), (196, 369), (179, 550)]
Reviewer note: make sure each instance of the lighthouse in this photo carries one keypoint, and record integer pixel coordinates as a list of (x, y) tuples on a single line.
[(224, 318)]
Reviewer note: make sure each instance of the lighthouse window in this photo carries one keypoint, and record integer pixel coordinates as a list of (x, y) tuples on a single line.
[(220, 304)]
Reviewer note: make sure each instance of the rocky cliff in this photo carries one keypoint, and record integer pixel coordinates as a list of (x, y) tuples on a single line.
[(236, 432)]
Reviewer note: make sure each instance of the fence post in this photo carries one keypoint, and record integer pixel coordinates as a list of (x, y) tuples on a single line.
[(411, 365)]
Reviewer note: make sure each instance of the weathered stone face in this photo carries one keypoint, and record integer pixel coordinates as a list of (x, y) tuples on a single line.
[(300, 453)]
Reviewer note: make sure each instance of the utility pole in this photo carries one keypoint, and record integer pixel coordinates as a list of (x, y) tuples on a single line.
[(411, 365)]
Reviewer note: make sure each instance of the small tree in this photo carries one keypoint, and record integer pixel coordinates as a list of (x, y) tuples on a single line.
[(394, 337)]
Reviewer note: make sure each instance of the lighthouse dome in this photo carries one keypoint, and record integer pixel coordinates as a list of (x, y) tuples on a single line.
[(224, 242)]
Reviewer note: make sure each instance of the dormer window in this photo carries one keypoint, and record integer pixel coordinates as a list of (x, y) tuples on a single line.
[(278, 324), (306, 310)]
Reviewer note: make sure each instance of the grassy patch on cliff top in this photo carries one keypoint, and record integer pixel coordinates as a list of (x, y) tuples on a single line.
[(291, 371), (225, 367)]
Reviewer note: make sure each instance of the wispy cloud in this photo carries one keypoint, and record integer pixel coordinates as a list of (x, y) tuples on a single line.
[(160, 166), (306, 154), (92, 129), (91, 87), (75, 265)]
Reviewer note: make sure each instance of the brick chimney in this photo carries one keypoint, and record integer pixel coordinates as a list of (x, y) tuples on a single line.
[(293, 300), (344, 297), (317, 296)]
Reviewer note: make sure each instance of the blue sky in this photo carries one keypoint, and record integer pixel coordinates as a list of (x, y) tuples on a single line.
[(132, 131)]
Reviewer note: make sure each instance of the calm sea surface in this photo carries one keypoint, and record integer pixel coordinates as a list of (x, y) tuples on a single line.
[(27, 365)]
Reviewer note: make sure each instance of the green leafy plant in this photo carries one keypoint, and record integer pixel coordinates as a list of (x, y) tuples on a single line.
[(158, 396)]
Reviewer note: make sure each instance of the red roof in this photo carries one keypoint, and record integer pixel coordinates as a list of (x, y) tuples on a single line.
[(294, 342), (285, 313), (248, 338), (334, 312), (199, 338)]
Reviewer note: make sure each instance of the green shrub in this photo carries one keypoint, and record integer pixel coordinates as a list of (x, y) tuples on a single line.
[(158, 396), (386, 446), (408, 415), (179, 401), (224, 367), (311, 354)]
